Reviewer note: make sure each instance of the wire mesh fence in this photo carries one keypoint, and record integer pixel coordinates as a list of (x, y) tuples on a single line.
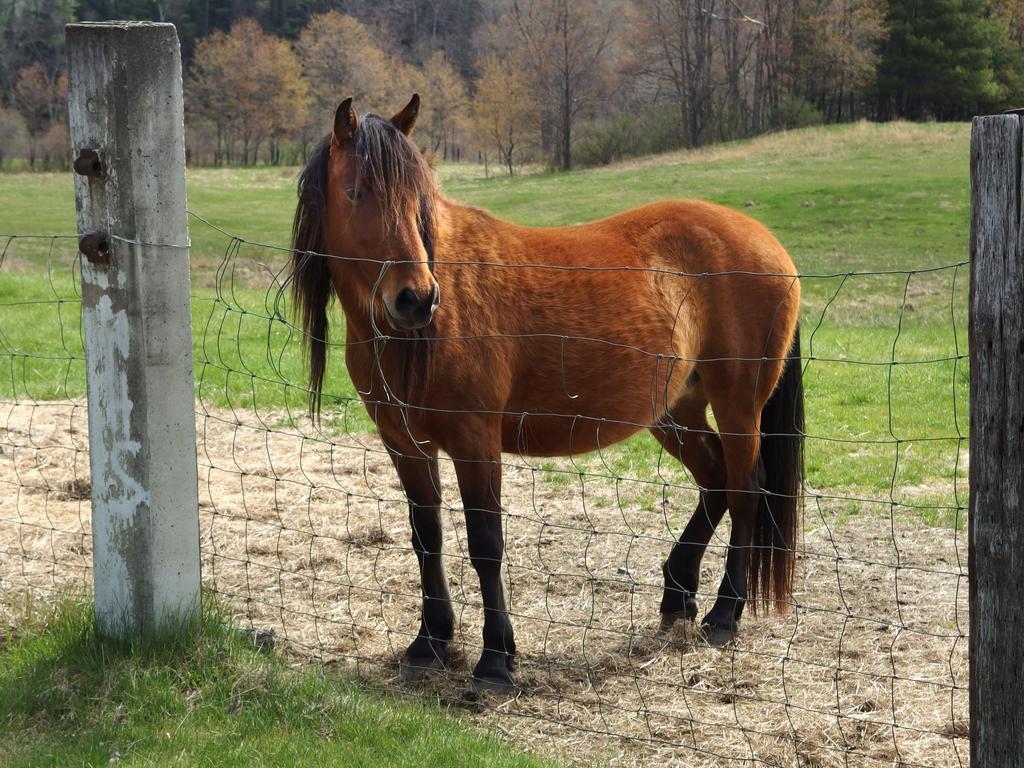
[(305, 529), (44, 448)]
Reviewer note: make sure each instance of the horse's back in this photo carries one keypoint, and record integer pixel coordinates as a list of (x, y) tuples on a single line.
[(696, 236), (682, 277), (741, 278)]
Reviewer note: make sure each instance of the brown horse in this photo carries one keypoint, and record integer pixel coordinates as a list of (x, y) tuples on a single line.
[(474, 336)]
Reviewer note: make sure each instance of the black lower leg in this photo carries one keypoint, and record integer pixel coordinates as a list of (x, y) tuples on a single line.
[(682, 568), (421, 480), (486, 549), (437, 622), (699, 448), (724, 616)]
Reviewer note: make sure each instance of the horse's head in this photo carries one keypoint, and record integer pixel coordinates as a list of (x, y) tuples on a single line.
[(379, 201)]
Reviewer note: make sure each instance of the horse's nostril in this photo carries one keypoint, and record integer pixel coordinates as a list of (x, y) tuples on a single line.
[(407, 301)]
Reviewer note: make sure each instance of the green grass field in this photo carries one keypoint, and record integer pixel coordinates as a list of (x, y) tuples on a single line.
[(208, 699), (886, 393)]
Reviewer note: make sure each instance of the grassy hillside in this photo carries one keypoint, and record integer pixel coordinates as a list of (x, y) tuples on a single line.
[(893, 194), (857, 199)]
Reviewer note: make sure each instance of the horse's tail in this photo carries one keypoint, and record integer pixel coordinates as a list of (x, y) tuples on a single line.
[(773, 554), (311, 280)]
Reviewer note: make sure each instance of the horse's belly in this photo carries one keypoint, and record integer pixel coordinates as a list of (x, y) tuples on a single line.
[(537, 435), (573, 403)]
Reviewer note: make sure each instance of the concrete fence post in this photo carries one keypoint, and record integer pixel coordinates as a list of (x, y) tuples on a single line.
[(996, 559), (127, 134)]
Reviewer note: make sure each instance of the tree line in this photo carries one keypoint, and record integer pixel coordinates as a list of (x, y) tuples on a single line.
[(508, 82)]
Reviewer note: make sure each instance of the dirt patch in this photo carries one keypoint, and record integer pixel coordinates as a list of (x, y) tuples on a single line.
[(307, 536)]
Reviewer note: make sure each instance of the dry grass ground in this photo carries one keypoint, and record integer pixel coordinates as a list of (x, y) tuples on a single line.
[(785, 145), (308, 536)]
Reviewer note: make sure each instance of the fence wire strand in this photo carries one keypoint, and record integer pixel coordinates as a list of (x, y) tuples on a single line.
[(305, 528)]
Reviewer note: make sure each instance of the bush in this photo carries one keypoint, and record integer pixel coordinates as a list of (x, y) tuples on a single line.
[(13, 136), (650, 132), (796, 112), (662, 129), (608, 142)]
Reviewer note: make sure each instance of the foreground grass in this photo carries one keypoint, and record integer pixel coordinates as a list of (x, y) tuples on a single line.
[(886, 389), (212, 700)]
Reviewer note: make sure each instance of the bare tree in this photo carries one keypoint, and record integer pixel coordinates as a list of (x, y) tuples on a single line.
[(671, 41), (566, 43), (836, 52), (249, 87), (504, 110), (446, 106), (342, 57), (40, 98)]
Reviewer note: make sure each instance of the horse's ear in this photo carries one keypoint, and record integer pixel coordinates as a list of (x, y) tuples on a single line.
[(406, 119), (345, 122)]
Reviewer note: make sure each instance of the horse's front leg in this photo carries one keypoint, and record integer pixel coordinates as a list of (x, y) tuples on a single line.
[(420, 479), (480, 485)]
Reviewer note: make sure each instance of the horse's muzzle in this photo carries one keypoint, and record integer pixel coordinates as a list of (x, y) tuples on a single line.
[(412, 310)]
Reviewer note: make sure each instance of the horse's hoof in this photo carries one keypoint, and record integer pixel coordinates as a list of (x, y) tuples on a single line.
[(411, 670), (717, 637), (672, 605), (668, 620), (498, 686)]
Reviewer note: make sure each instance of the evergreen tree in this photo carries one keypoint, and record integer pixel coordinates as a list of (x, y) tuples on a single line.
[(945, 59), (32, 31)]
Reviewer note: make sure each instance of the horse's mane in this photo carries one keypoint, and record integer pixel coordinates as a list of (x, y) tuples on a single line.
[(311, 280), (389, 164), (392, 166)]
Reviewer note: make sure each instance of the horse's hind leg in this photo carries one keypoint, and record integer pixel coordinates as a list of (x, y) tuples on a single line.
[(741, 444), (690, 438), (420, 479)]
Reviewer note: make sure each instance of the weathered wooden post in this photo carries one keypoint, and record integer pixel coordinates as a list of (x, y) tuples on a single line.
[(127, 134), (996, 560)]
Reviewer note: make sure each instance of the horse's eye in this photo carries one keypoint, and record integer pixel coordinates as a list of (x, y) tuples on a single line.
[(355, 195)]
